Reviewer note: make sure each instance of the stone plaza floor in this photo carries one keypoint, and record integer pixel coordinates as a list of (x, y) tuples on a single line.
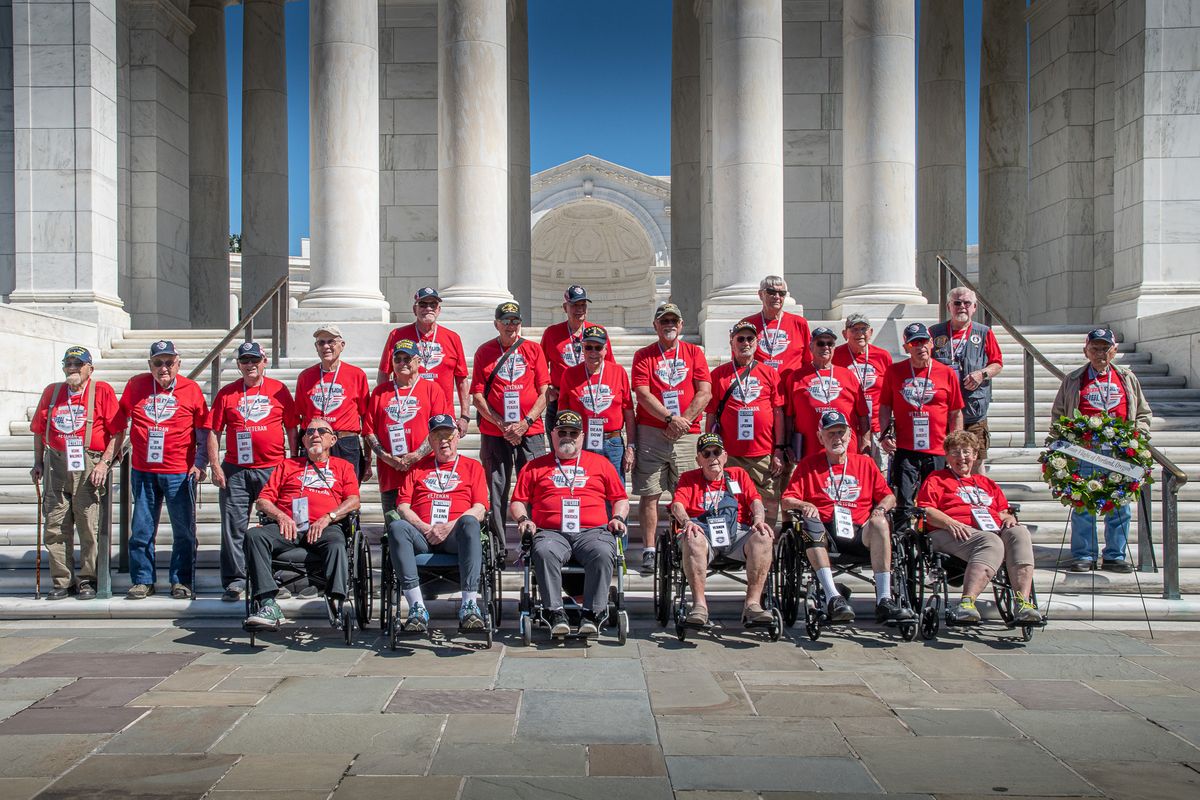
[(151, 709)]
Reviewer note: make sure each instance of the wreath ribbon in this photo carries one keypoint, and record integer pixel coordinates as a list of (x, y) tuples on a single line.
[(1133, 471)]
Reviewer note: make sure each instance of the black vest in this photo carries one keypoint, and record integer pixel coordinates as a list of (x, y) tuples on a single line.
[(971, 357)]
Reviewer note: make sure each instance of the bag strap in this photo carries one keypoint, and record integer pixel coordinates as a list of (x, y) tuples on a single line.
[(487, 385), (729, 392), (58, 387), (91, 408)]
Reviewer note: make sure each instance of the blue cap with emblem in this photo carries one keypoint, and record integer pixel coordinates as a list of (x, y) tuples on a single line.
[(426, 293), (1102, 335), (81, 353), (832, 419), (915, 332), (163, 347), (441, 421), (249, 349), (575, 293), (820, 331)]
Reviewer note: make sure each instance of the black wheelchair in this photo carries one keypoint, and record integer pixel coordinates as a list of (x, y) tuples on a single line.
[(438, 574), (801, 590), (671, 587), (298, 564), (931, 574), (532, 610)]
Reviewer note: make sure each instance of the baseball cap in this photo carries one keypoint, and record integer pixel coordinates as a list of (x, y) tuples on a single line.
[(568, 419), (406, 346), (250, 349), (575, 293), (915, 331), (594, 333), (667, 308), (1102, 335), (78, 352), (331, 329), (163, 347), (508, 310), (820, 331), (426, 292), (742, 325), (441, 421), (831, 419), (857, 318), (709, 440)]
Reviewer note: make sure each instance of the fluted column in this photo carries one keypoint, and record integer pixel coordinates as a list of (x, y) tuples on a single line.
[(344, 155), (686, 188), (879, 155), (519, 277), (264, 149), (473, 188), (208, 166), (941, 142)]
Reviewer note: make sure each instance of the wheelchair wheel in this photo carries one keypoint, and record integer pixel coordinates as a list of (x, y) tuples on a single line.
[(387, 584), (348, 620), (663, 568), (1003, 593), (776, 629), (680, 631), (812, 621), (622, 626), (931, 616), (908, 631), (363, 578), (789, 578), (392, 630), (488, 638)]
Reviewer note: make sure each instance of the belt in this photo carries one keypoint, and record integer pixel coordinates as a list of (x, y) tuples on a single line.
[(613, 435), (347, 434)]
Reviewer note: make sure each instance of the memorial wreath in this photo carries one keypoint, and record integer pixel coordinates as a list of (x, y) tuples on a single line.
[(1115, 479)]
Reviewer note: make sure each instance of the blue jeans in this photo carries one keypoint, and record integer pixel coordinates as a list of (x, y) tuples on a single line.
[(614, 451), (1084, 546), (150, 489)]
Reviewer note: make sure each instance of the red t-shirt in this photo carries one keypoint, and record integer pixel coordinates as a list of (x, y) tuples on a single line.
[(857, 485), (462, 482), (605, 394), (954, 496), (69, 416), (869, 367), (676, 370), (543, 483), (933, 391), (410, 407), (441, 353), (1103, 395), (524, 373), (266, 411), (564, 350), (783, 341), (326, 484), (339, 396), (811, 395), (760, 393), (180, 412), (696, 494)]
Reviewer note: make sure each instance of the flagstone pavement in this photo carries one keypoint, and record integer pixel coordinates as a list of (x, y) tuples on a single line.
[(151, 709)]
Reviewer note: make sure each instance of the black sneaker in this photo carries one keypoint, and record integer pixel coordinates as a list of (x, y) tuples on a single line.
[(1082, 565), (1122, 566), (59, 594), (839, 610), (589, 626), (233, 594), (85, 591), (559, 626), (649, 562), (889, 609)]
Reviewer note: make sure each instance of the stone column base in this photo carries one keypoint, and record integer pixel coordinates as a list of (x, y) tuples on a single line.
[(107, 314), (365, 331), (717, 318)]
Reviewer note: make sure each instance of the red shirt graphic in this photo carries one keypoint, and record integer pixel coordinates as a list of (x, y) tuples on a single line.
[(1103, 394), (857, 485), (339, 396), (266, 411), (955, 497), (605, 394), (564, 350), (758, 392), (69, 416), (410, 408), (782, 342), (869, 367), (544, 482), (813, 392), (676, 370), (524, 372), (933, 391), (441, 354), (179, 412), (461, 482), (326, 484), (697, 494)]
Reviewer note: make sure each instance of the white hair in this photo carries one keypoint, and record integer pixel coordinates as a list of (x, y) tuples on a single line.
[(772, 282), (960, 292)]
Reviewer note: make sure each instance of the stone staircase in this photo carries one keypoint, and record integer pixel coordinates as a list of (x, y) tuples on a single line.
[(1176, 432)]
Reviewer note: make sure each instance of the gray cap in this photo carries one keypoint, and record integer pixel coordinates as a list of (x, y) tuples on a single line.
[(857, 318)]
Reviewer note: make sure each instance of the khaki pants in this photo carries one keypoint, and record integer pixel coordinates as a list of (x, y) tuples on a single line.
[(1012, 546), (767, 484), (71, 506)]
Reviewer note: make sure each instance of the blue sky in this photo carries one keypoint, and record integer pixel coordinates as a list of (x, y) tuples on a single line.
[(600, 83)]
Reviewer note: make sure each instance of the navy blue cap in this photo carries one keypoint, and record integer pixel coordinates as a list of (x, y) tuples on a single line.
[(509, 310), (163, 347), (426, 292), (568, 419), (81, 353), (1102, 335), (822, 331), (406, 346), (594, 333), (709, 440), (441, 421), (831, 419), (915, 331), (250, 349), (575, 293)]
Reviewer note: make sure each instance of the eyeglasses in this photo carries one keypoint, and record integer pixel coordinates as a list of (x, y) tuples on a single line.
[(324, 342), (510, 322), (428, 304), (776, 292), (567, 433), (668, 321), (72, 362), (745, 339), (962, 452), (159, 363), (593, 348), (711, 452), (402, 358), (823, 343), (860, 330), (249, 360), (966, 303), (317, 431)]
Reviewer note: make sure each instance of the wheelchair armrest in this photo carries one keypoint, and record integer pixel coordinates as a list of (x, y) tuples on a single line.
[(263, 519), (526, 542)]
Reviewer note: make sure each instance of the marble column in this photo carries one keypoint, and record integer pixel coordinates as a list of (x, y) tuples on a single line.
[(1003, 270), (519, 266), (879, 160), (747, 125), (686, 179), (941, 143), (344, 157), (264, 150), (208, 167), (473, 182)]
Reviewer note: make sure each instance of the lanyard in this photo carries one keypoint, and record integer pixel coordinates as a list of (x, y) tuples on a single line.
[(170, 393), (1109, 385), (837, 489), (974, 494), (861, 375), (576, 341), (675, 359), (766, 340), (723, 482), (396, 391), (570, 479), (591, 387), (316, 471), (956, 351), (328, 394), (423, 344), (738, 380), (438, 473), (245, 407), (920, 389), (824, 386)]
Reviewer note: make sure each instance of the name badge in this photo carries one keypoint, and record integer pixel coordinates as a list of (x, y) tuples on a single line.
[(245, 448), (734, 487), (155, 445), (595, 433), (512, 406), (718, 532), (843, 523), (570, 515), (439, 512), (397, 439), (984, 519), (75, 462), (920, 427), (300, 513), (671, 401), (870, 409), (745, 431), (429, 376)]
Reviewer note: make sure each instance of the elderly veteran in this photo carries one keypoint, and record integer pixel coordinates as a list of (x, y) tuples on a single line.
[(562, 344), (782, 336), (821, 386), (305, 499), (598, 390), (441, 502), (844, 502), (75, 436), (338, 392), (561, 500), (868, 365), (1101, 387), (967, 517), (718, 512)]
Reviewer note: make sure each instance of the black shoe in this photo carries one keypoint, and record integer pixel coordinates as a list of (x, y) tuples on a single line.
[(85, 591), (1082, 565), (559, 626), (889, 609), (59, 594), (589, 626), (1122, 566), (839, 610), (233, 594), (649, 562)]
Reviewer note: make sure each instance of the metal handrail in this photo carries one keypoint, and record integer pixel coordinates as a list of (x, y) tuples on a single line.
[(1173, 476), (277, 296)]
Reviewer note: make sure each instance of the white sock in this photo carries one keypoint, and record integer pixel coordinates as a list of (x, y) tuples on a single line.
[(413, 596), (469, 597), (883, 586), (647, 549), (825, 576)]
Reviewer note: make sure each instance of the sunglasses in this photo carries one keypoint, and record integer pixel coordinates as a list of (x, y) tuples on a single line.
[(567, 433), (428, 304), (668, 321), (510, 322), (593, 348), (966, 303), (249, 360), (159, 363), (402, 358), (711, 452), (776, 292), (823, 343), (745, 339), (323, 342), (317, 431), (73, 362)]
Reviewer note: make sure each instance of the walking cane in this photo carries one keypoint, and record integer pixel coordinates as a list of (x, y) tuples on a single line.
[(37, 592)]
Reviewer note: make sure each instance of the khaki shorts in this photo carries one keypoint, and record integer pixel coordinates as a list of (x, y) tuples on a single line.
[(980, 429), (769, 486), (661, 461)]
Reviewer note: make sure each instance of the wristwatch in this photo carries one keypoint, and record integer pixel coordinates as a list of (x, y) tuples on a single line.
[(332, 516), (523, 519), (670, 417), (529, 422), (619, 518)]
